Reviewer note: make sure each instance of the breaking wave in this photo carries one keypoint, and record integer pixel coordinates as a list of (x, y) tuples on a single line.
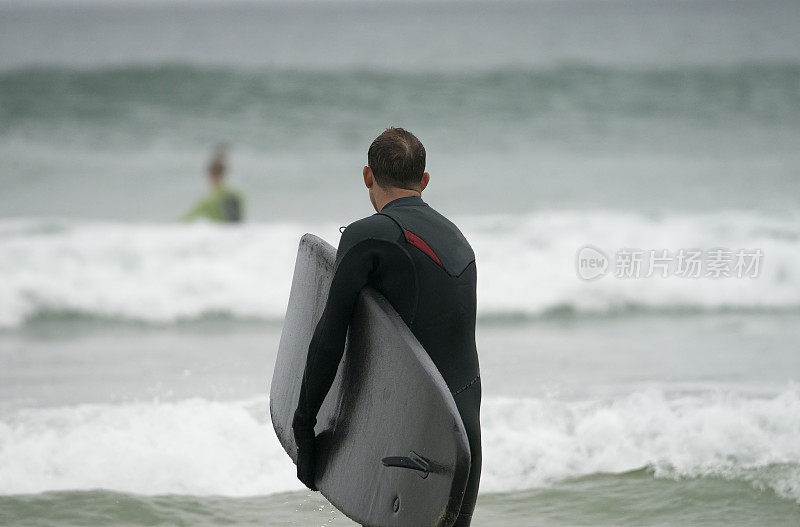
[(203, 447), (159, 273)]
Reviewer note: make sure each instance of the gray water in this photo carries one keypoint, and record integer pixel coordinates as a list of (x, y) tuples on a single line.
[(136, 353), (615, 104), (615, 421)]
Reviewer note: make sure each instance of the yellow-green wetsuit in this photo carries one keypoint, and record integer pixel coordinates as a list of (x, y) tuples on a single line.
[(222, 205)]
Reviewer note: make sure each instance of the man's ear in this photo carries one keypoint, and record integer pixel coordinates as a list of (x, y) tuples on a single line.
[(369, 179), (424, 182)]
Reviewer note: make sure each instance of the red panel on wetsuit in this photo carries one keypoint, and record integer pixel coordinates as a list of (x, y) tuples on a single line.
[(420, 244)]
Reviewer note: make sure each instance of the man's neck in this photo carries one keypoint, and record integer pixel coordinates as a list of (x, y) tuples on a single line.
[(385, 196)]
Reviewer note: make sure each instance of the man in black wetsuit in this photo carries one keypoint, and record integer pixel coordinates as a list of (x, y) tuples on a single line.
[(425, 268)]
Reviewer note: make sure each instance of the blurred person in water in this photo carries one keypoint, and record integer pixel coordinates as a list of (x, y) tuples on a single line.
[(223, 204)]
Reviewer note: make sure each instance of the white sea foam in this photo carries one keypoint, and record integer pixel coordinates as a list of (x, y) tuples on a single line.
[(535, 442), (529, 261), (201, 447), (163, 273), (188, 447)]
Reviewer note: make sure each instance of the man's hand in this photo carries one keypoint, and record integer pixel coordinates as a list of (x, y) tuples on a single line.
[(306, 453), (306, 457)]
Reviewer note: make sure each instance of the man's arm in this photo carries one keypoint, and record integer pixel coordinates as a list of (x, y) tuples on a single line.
[(359, 255), (327, 345)]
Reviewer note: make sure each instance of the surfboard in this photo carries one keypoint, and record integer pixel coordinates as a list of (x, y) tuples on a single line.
[(392, 449)]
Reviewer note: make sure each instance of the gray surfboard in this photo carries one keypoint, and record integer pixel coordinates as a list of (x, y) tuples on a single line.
[(392, 449)]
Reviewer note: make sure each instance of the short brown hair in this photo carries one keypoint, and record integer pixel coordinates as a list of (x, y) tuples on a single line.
[(397, 159)]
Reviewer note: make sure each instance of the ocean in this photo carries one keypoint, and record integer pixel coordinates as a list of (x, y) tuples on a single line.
[(136, 351)]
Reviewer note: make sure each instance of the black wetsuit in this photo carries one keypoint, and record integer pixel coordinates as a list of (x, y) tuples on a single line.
[(424, 266)]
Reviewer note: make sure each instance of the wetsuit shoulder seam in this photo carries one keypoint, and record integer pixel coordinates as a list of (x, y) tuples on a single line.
[(402, 230), (366, 229), (404, 235)]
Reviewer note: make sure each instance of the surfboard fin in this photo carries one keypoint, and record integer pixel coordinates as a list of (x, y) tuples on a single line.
[(412, 462)]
